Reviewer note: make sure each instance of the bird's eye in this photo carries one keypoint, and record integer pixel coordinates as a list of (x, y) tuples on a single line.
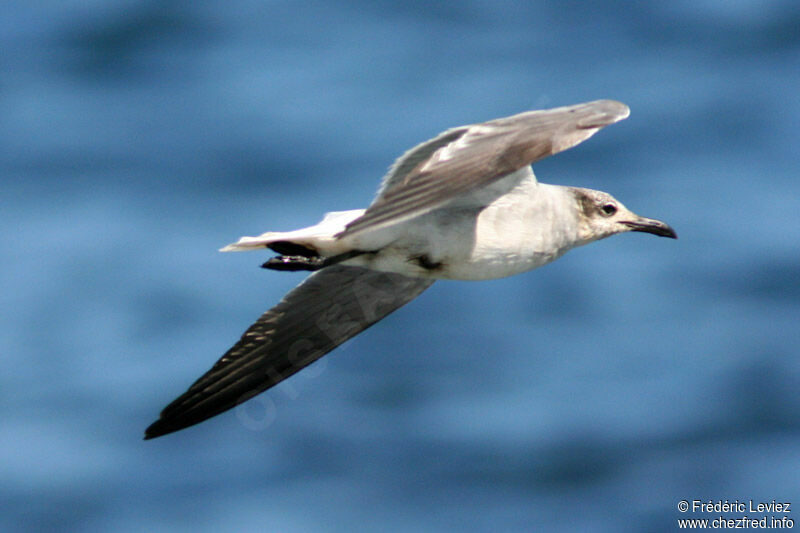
[(609, 209)]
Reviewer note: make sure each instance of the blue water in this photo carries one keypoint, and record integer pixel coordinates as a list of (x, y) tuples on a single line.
[(593, 394)]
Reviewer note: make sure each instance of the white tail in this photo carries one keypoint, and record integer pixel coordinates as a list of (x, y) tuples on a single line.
[(310, 237)]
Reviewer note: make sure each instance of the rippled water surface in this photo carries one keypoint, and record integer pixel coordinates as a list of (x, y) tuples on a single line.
[(593, 394)]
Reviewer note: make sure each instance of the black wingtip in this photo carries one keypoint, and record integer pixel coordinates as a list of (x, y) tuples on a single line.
[(152, 432), (160, 428), (176, 417)]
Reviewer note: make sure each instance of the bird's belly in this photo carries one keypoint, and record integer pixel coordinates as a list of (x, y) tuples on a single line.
[(497, 241), (494, 264), (458, 260)]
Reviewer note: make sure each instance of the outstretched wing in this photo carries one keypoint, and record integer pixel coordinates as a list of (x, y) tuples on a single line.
[(329, 307), (465, 158)]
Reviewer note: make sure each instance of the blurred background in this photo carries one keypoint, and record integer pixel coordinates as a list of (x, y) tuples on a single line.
[(138, 137)]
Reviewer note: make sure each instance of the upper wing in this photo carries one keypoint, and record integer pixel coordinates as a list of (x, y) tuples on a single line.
[(329, 307), (465, 158)]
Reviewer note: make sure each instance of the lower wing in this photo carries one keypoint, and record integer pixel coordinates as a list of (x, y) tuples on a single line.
[(328, 308)]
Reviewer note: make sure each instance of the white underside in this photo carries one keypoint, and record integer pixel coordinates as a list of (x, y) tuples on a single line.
[(511, 227)]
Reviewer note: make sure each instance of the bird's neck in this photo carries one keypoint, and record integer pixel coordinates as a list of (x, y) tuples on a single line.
[(555, 215), (532, 225)]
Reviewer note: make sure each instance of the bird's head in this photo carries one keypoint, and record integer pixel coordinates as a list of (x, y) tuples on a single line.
[(601, 215)]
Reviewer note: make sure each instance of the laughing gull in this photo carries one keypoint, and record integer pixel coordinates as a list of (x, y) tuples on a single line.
[(464, 205)]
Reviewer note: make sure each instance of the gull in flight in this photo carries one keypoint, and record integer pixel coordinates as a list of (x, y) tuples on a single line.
[(464, 205)]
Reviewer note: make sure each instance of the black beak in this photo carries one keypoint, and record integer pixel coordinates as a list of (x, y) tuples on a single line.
[(649, 225)]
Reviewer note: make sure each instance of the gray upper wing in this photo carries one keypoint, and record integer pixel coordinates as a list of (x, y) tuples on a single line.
[(329, 307), (462, 159)]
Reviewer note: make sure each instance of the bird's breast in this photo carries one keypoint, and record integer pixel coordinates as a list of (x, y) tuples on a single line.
[(467, 245)]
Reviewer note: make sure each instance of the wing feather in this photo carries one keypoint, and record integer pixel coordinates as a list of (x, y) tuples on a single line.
[(328, 308), (466, 158)]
